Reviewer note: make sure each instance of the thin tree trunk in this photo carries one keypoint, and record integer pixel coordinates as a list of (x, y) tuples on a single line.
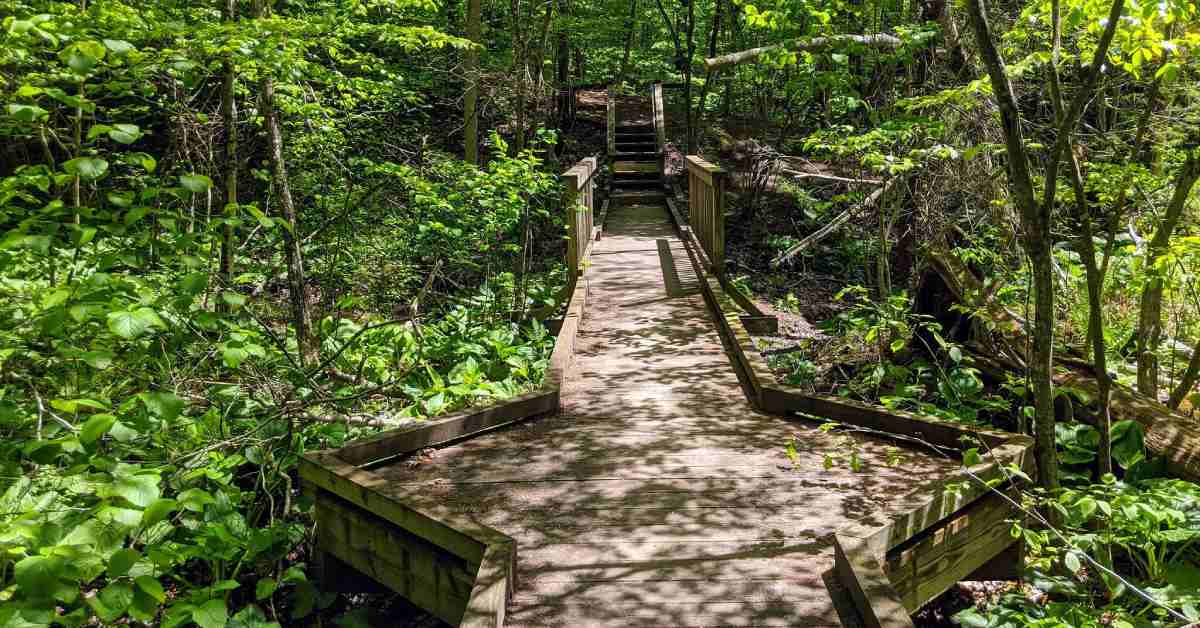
[(563, 68), (297, 288), (630, 23), (229, 114), (1188, 381), (521, 73), (687, 76), (1150, 313), (471, 103)]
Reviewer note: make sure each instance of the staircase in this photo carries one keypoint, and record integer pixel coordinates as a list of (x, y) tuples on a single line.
[(637, 177)]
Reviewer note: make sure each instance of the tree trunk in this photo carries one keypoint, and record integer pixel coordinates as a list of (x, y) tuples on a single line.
[(1150, 314), (229, 114), (630, 23), (687, 76), (471, 102), (297, 288), (563, 68), (1188, 381), (521, 74)]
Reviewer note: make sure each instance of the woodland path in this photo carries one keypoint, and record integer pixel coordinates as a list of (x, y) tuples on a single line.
[(659, 496)]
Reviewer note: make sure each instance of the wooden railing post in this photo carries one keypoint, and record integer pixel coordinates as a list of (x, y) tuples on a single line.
[(612, 122), (706, 209), (579, 201), (660, 131)]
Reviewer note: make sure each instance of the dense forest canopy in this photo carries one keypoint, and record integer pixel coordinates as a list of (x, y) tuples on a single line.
[(232, 232)]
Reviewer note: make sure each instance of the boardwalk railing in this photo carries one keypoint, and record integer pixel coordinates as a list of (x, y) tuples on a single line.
[(612, 122), (579, 199), (706, 209)]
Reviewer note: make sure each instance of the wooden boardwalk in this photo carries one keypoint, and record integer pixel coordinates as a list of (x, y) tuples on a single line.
[(659, 497)]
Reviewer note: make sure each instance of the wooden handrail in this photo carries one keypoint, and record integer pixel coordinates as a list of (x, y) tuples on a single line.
[(656, 103), (706, 209), (579, 199), (612, 122)]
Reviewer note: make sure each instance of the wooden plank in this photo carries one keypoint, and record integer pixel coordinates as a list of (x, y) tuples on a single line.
[(433, 432), (878, 603), (450, 531), (494, 586), (928, 564), (425, 574)]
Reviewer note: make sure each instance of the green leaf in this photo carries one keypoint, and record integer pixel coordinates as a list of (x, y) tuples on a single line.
[(117, 596), (86, 168), (122, 561), (211, 614), (99, 360), (955, 354), (152, 587), (158, 511), (263, 219), (140, 489), (195, 499), (971, 457), (265, 588), (96, 427), (251, 617), (1071, 560), (130, 325), (125, 133), (119, 46), (38, 575), (26, 113), (164, 405), (195, 183), (234, 299)]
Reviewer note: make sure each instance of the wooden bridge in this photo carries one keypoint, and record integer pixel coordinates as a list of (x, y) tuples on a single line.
[(648, 483)]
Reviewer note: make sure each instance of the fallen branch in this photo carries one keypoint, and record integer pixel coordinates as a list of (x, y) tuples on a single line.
[(797, 174), (811, 44), (834, 225)]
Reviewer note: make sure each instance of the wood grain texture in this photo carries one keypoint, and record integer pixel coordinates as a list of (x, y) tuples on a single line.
[(659, 496)]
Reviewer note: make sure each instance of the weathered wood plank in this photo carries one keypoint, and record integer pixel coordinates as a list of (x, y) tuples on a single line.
[(423, 573)]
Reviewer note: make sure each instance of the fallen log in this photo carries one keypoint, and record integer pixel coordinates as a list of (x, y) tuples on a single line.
[(797, 174), (1172, 436), (807, 44), (834, 225)]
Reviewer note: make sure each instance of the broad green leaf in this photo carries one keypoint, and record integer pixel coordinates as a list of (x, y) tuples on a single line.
[(130, 325), (26, 113), (125, 133), (86, 168), (158, 511), (265, 588), (118, 46), (38, 575), (234, 299), (211, 614), (138, 489), (96, 427), (152, 587), (122, 561), (195, 183), (164, 405), (98, 360), (195, 499)]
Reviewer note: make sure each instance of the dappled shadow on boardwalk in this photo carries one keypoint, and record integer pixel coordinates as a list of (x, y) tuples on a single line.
[(659, 497)]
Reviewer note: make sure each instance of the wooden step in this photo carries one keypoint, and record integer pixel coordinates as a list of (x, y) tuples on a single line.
[(635, 167), (636, 147), (640, 156), (624, 198)]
